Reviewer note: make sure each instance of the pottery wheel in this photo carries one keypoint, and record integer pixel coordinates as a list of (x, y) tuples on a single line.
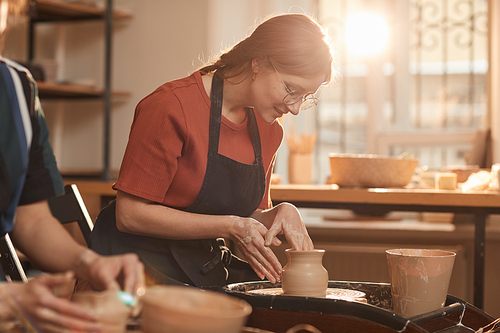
[(332, 293)]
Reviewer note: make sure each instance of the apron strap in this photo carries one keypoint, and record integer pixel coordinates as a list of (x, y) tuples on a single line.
[(254, 132), (216, 98), (216, 112), (225, 256)]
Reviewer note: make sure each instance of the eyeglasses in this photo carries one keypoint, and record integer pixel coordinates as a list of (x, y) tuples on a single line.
[(293, 96)]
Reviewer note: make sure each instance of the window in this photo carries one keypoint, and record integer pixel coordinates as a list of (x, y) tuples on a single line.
[(413, 80)]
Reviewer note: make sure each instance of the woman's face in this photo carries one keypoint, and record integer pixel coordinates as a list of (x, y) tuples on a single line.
[(271, 87)]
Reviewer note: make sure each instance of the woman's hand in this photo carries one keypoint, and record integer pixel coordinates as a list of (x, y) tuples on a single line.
[(248, 234), (288, 222), (121, 272), (34, 303), (7, 313)]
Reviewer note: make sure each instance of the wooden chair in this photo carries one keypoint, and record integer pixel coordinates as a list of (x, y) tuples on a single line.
[(11, 265), (67, 208)]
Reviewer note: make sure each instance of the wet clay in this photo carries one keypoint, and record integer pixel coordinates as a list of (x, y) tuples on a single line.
[(419, 279), (177, 309), (304, 274), (109, 310)]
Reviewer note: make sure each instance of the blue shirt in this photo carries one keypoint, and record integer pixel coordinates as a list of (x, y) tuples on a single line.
[(28, 169)]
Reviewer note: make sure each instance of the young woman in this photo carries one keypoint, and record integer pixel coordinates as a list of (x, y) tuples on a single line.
[(199, 159)]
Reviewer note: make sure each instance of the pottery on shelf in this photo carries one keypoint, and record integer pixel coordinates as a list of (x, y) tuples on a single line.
[(110, 311), (304, 274)]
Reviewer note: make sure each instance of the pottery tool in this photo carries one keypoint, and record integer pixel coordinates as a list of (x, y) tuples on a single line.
[(127, 298), (303, 144), (300, 144)]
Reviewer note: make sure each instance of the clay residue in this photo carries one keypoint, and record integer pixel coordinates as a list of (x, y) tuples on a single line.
[(331, 293)]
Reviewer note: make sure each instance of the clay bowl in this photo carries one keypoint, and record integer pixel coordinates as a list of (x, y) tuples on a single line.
[(371, 170), (110, 311), (177, 309), (463, 171)]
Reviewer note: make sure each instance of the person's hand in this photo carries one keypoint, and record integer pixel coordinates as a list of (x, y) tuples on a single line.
[(7, 313), (34, 303), (125, 272), (248, 234), (288, 222)]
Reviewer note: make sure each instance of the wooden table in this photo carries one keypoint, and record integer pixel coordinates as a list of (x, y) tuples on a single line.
[(480, 204)]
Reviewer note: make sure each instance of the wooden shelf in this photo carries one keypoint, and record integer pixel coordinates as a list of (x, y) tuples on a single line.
[(56, 10), (42, 11), (94, 187), (326, 195), (89, 174), (48, 90)]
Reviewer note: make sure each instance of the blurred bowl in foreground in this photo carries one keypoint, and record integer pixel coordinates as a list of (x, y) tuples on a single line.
[(178, 309), (364, 170)]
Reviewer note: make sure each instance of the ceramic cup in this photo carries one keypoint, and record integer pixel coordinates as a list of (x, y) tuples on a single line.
[(299, 168), (446, 181), (419, 279), (111, 312), (304, 274), (178, 309)]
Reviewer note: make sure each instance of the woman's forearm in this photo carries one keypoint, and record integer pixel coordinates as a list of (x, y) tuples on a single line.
[(142, 217), (36, 225)]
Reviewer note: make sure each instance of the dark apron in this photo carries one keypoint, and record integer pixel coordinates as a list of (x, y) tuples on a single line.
[(229, 188)]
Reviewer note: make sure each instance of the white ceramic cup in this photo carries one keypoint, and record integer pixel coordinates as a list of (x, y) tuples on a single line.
[(446, 180)]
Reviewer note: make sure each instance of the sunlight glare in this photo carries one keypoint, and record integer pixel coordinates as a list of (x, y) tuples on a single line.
[(366, 34)]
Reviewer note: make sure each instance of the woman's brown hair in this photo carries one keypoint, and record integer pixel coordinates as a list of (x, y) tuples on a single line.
[(295, 43), (17, 7)]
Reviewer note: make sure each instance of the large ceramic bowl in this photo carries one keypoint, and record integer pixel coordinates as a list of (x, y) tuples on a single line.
[(177, 309), (371, 170)]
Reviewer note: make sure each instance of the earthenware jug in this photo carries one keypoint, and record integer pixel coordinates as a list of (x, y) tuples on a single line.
[(304, 274)]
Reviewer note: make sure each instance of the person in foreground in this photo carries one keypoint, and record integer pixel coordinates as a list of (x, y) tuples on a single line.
[(199, 159), (28, 177)]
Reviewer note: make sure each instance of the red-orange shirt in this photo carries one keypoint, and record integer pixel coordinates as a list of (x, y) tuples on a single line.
[(166, 155)]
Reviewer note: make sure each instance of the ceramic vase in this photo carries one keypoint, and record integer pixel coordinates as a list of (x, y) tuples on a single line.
[(304, 274)]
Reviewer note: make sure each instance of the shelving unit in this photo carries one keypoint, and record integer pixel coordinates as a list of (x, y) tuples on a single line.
[(48, 90), (58, 11)]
